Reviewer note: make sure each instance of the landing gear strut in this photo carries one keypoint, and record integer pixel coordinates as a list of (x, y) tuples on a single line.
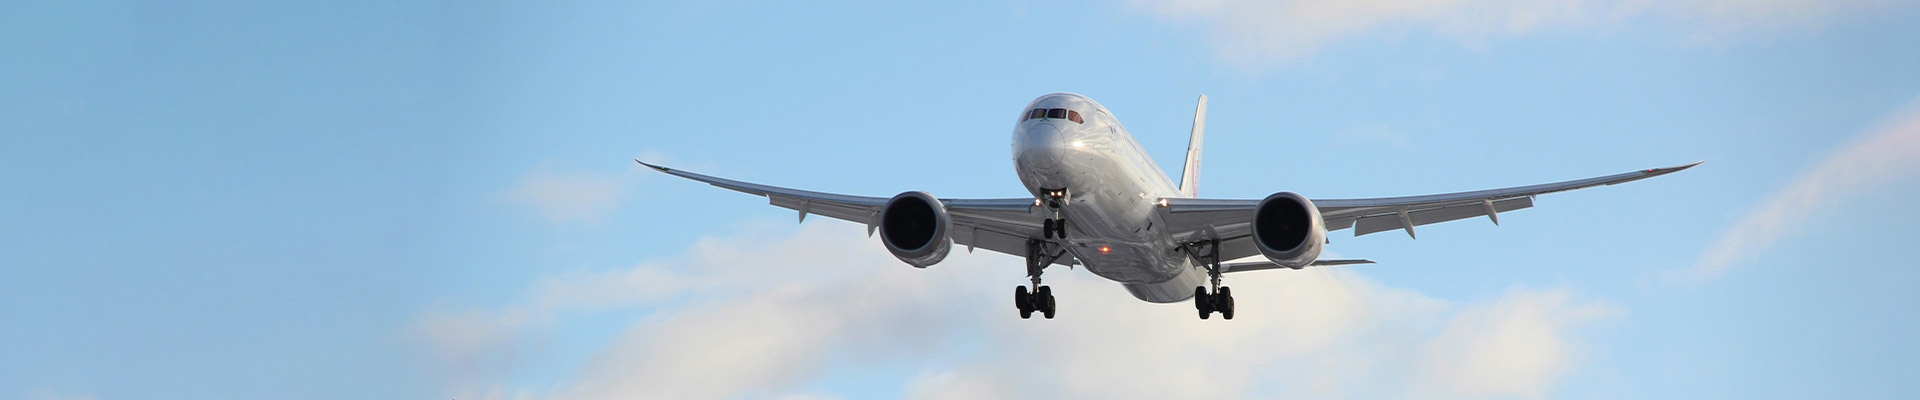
[(1206, 254), (1055, 227), (1040, 254)]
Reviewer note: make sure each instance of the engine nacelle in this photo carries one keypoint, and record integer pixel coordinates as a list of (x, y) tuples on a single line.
[(914, 225), (1288, 230)]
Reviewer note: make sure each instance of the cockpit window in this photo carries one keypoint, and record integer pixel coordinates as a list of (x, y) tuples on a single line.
[(1055, 113)]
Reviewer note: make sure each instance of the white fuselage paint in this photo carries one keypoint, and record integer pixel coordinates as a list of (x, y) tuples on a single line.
[(1114, 188)]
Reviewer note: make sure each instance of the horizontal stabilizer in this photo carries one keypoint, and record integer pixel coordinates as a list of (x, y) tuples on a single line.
[(1260, 265)]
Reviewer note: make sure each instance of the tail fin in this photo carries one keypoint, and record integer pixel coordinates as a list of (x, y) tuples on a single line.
[(1191, 172)]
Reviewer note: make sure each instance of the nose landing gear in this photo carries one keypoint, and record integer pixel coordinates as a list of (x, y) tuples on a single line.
[(1055, 227)]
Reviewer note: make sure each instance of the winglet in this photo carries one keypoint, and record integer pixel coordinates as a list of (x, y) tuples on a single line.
[(662, 169), (1672, 169)]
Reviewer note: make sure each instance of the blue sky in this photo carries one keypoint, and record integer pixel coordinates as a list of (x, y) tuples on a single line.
[(230, 200)]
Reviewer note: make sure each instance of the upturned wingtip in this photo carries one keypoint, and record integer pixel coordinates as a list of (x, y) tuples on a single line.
[(1675, 168), (662, 169)]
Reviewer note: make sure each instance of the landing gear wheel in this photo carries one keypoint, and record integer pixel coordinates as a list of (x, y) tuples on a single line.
[(1224, 301), (1048, 229), (1023, 301), (1061, 228), (1043, 300), (1202, 301)]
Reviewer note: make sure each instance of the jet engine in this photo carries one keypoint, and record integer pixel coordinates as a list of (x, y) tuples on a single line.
[(1288, 230), (914, 225)]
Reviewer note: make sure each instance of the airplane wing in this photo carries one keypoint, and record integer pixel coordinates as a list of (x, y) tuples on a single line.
[(1229, 220), (1001, 225)]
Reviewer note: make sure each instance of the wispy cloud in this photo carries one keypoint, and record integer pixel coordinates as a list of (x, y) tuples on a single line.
[(726, 323), (1513, 347), (1880, 157), (1255, 32)]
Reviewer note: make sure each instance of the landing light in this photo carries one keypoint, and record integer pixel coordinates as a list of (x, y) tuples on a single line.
[(1077, 143)]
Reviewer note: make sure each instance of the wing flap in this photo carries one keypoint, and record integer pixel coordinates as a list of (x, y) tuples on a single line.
[(996, 239), (857, 213), (1391, 221)]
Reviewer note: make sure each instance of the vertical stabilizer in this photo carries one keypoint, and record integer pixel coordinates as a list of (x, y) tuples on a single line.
[(1191, 172)]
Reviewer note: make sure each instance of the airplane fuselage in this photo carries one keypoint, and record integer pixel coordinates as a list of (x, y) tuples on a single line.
[(1113, 187)]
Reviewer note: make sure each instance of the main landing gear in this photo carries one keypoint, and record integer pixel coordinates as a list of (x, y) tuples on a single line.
[(1220, 299), (1040, 254)]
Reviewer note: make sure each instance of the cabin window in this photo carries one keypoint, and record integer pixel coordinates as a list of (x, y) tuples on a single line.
[(1057, 113), (1075, 117)]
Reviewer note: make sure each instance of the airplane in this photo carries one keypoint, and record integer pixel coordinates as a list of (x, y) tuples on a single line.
[(1098, 201)]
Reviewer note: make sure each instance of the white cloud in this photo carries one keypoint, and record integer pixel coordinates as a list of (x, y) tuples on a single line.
[(576, 196), (1255, 32), (1511, 348), (1880, 157), (728, 322), (1306, 334)]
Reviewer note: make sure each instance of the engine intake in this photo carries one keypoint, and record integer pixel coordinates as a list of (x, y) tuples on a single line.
[(914, 225), (1288, 230)]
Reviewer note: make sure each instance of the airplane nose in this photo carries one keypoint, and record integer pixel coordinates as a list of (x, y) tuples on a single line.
[(1040, 147)]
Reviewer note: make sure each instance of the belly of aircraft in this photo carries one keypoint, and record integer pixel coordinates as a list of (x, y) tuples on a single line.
[(1110, 209)]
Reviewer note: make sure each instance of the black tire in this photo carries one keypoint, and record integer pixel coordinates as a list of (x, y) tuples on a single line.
[(1225, 300), (1023, 301), (1061, 225), (1048, 229), (1043, 301), (1201, 302)]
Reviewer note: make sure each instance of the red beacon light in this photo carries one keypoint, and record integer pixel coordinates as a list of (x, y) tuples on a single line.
[(1104, 249)]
